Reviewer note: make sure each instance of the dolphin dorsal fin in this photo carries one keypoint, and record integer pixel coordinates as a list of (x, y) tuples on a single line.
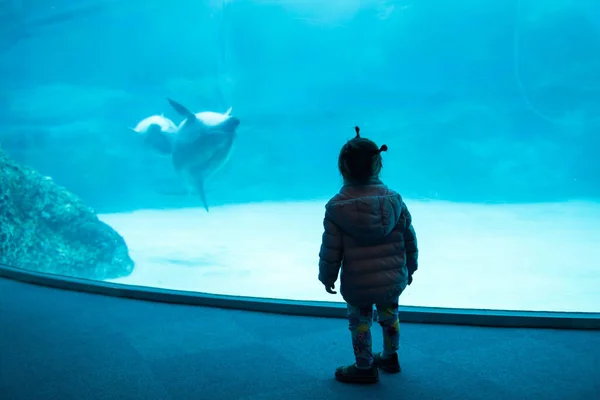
[(181, 110)]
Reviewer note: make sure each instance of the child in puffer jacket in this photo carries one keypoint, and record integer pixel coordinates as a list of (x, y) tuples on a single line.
[(369, 235)]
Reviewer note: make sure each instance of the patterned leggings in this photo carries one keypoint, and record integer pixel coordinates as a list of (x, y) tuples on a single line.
[(361, 320)]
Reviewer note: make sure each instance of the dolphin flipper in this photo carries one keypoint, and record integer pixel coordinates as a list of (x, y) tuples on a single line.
[(194, 185), (181, 110), (199, 185)]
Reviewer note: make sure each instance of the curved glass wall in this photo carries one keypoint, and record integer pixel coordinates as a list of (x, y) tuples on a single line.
[(491, 113)]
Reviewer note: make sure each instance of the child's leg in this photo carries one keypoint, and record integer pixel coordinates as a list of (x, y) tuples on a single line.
[(388, 319), (364, 370), (360, 321)]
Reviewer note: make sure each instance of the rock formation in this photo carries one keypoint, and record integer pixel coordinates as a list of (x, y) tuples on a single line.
[(46, 228)]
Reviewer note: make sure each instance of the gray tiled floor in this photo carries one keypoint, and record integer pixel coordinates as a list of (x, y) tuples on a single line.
[(64, 345)]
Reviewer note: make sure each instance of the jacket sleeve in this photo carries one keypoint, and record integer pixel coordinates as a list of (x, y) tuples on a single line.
[(410, 242), (331, 253)]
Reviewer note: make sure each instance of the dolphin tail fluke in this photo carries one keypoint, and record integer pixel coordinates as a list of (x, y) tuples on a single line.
[(180, 109)]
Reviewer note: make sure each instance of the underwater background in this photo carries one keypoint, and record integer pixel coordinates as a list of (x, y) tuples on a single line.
[(490, 110)]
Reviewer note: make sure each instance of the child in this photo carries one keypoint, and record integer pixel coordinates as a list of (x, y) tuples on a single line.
[(369, 235)]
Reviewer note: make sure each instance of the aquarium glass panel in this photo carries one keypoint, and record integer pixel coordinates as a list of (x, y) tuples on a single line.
[(193, 145)]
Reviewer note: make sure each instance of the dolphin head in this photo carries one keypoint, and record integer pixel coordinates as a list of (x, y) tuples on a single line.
[(230, 124)]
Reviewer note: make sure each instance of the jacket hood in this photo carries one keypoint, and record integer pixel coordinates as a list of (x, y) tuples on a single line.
[(365, 212)]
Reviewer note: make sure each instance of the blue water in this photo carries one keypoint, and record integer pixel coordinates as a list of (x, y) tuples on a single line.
[(478, 102)]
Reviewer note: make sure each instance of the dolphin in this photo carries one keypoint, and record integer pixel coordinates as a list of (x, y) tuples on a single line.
[(158, 133), (202, 144)]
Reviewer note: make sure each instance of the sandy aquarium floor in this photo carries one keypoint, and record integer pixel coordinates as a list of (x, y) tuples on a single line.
[(518, 257)]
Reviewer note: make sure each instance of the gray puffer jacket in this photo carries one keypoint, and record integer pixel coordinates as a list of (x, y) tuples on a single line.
[(369, 235)]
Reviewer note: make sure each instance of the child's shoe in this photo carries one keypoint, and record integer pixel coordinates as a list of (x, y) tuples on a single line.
[(388, 364), (352, 374)]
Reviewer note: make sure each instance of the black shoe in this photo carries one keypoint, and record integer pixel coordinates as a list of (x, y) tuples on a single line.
[(352, 374), (390, 365)]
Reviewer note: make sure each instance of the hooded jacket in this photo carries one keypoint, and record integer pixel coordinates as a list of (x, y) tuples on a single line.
[(369, 235)]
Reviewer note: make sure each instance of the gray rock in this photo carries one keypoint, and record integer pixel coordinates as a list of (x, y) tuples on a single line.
[(46, 228)]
